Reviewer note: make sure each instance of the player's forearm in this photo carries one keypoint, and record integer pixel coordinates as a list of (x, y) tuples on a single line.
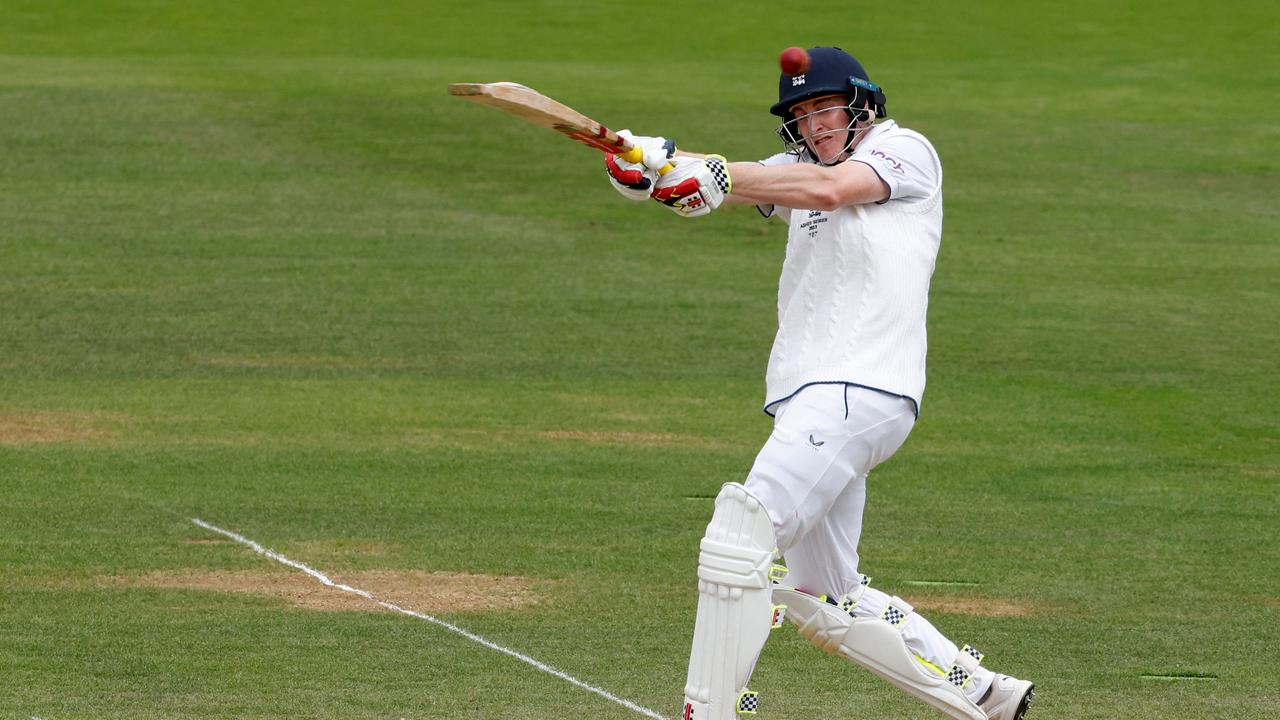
[(755, 188), (802, 185), (795, 186)]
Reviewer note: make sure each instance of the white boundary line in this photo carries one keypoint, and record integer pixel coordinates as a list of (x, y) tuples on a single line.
[(437, 621)]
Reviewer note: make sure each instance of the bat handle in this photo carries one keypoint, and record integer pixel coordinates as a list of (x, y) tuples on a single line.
[(635, 155)]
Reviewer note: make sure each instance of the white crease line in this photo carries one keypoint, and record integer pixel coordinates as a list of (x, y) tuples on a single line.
[(447, 626)]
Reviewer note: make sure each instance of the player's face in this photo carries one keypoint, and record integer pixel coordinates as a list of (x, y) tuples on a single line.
[(824, 124)]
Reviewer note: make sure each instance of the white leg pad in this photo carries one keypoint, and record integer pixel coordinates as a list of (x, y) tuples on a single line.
[(735, 612), (877, 645)]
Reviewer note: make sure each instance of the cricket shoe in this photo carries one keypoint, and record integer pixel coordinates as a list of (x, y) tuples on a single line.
[(1008, 698)]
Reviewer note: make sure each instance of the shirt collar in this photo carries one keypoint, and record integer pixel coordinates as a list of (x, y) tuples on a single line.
[(879, 128)]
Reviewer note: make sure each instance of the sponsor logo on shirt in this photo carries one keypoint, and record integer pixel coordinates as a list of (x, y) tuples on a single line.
[(893, 162)]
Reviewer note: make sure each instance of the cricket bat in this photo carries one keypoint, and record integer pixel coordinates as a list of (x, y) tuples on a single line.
[(531, 105)]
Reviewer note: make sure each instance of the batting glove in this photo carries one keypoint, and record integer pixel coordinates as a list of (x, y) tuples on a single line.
[(656, 151), (696, 186), (633, 180)]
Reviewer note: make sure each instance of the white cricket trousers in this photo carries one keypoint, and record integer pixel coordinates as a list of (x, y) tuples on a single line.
[(811, 476)]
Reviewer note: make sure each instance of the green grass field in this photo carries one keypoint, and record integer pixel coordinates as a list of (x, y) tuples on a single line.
[(257, 267)]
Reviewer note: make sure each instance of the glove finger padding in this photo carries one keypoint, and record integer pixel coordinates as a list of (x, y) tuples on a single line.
[(695, 186), (655, 152), (632, 180)]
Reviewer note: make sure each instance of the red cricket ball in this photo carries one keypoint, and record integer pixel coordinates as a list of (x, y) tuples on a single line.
[(794, 61)]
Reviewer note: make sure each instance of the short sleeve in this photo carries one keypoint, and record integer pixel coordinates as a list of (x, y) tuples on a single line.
[(782, 158), (907, 163)]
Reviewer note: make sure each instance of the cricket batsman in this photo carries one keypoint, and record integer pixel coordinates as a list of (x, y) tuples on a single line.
[(863, 204)]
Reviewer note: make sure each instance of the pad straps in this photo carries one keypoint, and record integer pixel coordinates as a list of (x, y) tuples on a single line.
[(896, 613), (778, 573), (849, 600), (965, 665)]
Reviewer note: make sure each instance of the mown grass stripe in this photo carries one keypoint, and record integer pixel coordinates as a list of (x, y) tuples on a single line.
[(943, 583)]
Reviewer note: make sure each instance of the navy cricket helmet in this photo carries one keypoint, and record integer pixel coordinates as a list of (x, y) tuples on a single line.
[(832, 71)]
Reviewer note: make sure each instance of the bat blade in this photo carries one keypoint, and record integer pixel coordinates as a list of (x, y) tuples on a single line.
[(532, 106)]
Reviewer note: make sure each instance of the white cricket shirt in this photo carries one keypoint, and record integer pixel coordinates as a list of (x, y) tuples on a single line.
[(854, 289)]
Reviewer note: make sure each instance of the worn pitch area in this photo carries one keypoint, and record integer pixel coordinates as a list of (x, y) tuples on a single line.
[(432, 592)]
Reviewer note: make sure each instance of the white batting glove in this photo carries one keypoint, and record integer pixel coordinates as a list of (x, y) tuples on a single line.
[(657, 151), (696, 186), (633, 180)]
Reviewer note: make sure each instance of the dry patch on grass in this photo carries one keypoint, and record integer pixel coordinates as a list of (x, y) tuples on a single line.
[(30, 428), (324, 362), (429, 592), (637, 439), (479, 438), (984, 607), (604, 437)]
